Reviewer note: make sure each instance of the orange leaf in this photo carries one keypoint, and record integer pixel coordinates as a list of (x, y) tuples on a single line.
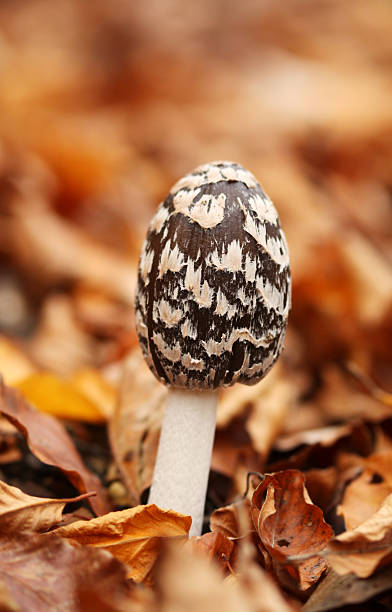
[(132, 535), (58, 397)]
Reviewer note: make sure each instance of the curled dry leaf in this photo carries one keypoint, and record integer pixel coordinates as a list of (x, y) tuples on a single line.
[(215, 546), (22, 512), (46, 573), (366, 548), (49, 441), (132, 535), (135, 425), (289, 524)]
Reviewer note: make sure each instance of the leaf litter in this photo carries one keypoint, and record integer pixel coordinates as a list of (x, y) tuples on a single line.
[(92, 136)]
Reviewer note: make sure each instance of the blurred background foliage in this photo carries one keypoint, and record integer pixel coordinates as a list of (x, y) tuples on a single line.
[(103, 105)]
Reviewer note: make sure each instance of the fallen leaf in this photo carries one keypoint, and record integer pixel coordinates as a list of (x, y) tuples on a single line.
[(289, 524), (364, 495), (135, 426), (233, 521), (49, 441), (58, 397), (22, 512), (336, 591), (46, 572), (215, 546), (132, 535), (363, 550)]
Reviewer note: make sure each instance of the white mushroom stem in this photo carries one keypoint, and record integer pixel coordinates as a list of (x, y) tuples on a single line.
[(184, 454)]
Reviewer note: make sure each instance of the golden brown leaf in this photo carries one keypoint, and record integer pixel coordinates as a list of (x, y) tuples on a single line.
[(132, 535)]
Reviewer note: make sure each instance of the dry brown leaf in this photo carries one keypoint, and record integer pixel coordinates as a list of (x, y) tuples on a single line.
[(336, 591), (58, 397), (363, 550), (46, 573), (289, 524), (132, 535), (49, 441), (215, 546), (135, 426), (21, 512), (233, 520), (365, 494)]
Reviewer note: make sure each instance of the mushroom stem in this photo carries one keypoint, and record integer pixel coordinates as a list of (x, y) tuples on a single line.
[(184, 454)]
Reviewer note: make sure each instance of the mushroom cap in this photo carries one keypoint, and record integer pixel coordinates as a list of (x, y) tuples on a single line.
[(214, 286)]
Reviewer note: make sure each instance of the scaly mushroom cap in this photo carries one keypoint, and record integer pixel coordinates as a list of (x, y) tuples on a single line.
[(214, 287)]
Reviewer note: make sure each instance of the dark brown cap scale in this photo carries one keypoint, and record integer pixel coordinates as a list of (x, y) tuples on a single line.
[(214, 287)]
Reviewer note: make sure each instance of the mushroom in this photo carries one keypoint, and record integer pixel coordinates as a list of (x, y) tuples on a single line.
[(214, 293)]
